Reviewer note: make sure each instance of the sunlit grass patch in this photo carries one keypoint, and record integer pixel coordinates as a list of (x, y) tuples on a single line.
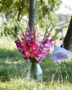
[(22, 84)]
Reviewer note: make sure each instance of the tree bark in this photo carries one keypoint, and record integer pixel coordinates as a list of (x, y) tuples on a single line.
[(68, 38), (31, 14)]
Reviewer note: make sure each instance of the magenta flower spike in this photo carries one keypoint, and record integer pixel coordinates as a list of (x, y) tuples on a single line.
[(32, 47)]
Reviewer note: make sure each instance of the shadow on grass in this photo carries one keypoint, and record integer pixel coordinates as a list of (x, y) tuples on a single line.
[(54, 72), (12, 65), (5, 53), (13, 69)]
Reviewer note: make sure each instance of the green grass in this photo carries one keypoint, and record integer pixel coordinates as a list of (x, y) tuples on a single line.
[(13, 71)]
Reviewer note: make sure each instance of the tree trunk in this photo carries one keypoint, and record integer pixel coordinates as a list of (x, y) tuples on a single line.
[(68, 38), (31, 14)]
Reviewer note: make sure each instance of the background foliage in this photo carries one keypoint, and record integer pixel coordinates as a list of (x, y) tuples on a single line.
[(13, 11)]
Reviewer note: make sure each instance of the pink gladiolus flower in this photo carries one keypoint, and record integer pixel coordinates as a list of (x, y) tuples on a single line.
[(32, 46)]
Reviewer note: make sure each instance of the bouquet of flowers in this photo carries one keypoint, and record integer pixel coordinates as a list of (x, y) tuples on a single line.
[(31, 46)]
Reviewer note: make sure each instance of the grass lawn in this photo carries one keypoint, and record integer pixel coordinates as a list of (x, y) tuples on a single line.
[(13, 69)]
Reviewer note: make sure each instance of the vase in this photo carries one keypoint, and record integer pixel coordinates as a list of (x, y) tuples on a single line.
[(34, 70)]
